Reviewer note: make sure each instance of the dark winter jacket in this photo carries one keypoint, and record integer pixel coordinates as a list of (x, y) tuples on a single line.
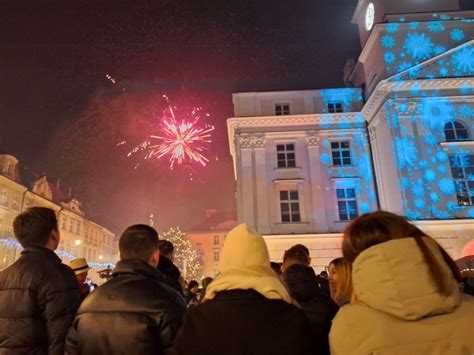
[(243, 322), (171, 272), (320, 309), (133, 313), (38, 300)]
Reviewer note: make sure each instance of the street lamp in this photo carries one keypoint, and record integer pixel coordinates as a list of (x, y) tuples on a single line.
[(77, 242), (101, 257)]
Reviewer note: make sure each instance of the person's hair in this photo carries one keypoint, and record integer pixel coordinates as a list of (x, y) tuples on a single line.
[(34, 226), (192, 283), (298, 253), (343, 290), (138, 242), (323, 273), (378, 227), (276, 267), (166, 247)]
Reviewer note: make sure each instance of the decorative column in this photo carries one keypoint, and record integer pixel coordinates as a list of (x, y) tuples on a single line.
[(245, 188), (316, 183), (261, 185)]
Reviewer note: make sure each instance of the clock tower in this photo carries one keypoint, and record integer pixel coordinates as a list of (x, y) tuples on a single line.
[(371, 12)]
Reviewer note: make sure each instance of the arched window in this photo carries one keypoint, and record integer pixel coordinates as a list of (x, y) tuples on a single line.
[(455, 131)]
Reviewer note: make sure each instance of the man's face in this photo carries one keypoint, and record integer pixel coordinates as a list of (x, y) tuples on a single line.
[(81, 278)]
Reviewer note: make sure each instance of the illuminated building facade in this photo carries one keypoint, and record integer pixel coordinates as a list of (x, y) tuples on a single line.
[(399, 138), (80, 237)]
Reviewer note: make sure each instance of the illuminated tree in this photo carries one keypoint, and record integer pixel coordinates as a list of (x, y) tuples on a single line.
[(186, 257)]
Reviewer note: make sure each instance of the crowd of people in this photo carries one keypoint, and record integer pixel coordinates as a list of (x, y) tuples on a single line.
[(394, 291)]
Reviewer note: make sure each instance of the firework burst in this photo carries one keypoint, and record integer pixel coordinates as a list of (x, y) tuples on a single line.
[(178, 139)]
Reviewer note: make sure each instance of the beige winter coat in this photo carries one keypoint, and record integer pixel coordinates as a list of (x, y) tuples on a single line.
[(398, 309)]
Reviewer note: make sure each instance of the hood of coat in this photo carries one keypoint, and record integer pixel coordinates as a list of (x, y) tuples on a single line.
[(394, 278)]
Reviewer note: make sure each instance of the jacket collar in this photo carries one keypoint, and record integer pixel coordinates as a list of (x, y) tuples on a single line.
[(137, 266), (41, 250), (238, 294)]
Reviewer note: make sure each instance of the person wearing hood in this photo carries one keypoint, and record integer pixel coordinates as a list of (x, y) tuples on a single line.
[(302, 282), (406, 297), (246, 308)]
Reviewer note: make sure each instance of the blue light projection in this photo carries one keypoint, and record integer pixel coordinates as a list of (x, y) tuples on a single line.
[(406, 44), (348, 97)]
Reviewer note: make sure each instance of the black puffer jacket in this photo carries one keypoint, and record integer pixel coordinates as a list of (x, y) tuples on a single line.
[(133, 313), (243, 322), (320, 309), (38, 300)]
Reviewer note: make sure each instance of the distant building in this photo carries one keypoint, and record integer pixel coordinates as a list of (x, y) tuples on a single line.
[(400, 139), (208, 239), (80, 237)]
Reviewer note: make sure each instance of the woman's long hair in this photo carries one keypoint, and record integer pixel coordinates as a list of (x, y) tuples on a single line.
[(378, 227), (343, 291)]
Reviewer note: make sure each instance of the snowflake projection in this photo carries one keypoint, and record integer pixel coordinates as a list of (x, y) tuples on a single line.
[(435, 113), (403, 66), (418, 190), (446, 186), (429, 175), (435, 26), (423, 164), (364, 207), (434, 197), (437, 50), (452, 206), (442, 169), (470, 213), (418, 45), (412, 215), (420, 204), (364, 167), (326, 143), (442, 156), (430, 140), (466, 111), (406, 151), (325, 158), (413, 25), (457, 34), (389, 57), (464, 89), (387, 41), (463, 60), (393, 27)]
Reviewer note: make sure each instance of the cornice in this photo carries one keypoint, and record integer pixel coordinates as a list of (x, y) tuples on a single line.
[(387, 89), (314, 120)]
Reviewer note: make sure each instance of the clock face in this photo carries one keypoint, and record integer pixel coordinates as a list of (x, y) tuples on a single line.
[(369, 16)]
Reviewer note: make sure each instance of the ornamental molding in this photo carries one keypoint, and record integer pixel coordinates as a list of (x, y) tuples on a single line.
[(312, 139), (251, 141), (387, 89)]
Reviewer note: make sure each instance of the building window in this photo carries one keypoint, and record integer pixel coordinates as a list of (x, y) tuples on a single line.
[(78, 228), (63, 226), (15, 204), (346, 204), (216, 240), (290, 206), (9, 169), (455, 131), (4, 197), (286, 155), (334, 107), (216, 255), (341, 153), (462, 169), (71, 225), (282, 109)]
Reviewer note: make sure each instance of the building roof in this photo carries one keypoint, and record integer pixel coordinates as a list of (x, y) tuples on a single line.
[(212, 222)]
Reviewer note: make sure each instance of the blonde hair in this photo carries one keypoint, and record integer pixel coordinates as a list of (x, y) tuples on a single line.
[(343, 291)]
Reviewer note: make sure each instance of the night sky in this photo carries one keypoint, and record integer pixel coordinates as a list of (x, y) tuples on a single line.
[(61, 116)]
